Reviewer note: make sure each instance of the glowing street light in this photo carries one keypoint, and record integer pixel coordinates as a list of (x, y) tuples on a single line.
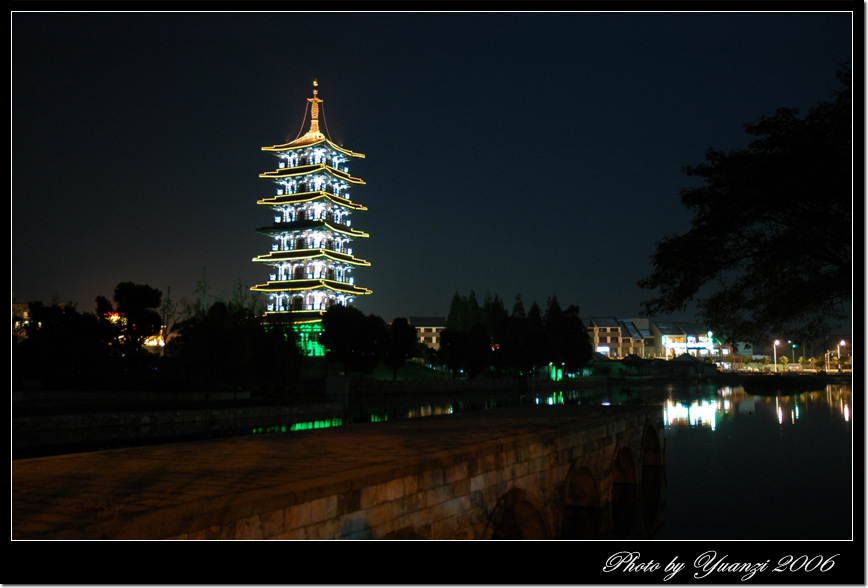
[(776, 354), (842, 343)]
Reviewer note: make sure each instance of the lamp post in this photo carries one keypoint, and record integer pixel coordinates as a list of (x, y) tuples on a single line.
[(776, 354), (844, 343)]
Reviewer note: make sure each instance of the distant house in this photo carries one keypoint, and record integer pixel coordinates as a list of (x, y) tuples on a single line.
[(615, 337), (428, 330)]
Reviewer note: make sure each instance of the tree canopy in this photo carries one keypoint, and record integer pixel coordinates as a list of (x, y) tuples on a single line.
[(482, 337), (355, 339), (770, 244)]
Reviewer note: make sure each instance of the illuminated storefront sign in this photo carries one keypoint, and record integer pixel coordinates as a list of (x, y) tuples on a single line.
[(703, 345)]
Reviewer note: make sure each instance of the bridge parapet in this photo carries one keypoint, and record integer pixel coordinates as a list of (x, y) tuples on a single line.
[(513, 473)]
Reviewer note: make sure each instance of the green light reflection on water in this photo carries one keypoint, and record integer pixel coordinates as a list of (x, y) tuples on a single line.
[(306, 426)]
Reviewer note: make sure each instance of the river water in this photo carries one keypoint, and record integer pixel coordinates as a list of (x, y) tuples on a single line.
[(738, 466), (759, 467)]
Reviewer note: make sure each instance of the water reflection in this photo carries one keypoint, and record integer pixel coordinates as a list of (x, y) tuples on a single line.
[(718, 402), (683, 406), (778, 465), (698, 413)]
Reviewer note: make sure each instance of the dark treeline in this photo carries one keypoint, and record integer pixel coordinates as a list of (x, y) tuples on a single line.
[(360, 343), (218, 345), (211, 346), (486, 338)]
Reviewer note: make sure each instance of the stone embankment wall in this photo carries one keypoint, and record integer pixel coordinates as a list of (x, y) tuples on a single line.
[(603, 479)]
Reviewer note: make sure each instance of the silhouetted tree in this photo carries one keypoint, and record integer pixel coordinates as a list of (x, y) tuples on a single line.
[(63, 349), (458, 317), (402, 345), (466, 351), (357, 341), (228, 347), (567, 342), (789, 192), (513, 344), (137, 304)]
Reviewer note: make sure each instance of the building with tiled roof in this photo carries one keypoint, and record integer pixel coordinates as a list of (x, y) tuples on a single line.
[(615, 338)]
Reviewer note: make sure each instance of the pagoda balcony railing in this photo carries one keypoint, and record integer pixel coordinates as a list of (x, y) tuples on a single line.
[(347, 222), (312, 276), (328, 190), (294, 247), (307, 161)]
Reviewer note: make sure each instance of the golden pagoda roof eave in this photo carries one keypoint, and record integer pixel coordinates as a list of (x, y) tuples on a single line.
[(307, 197), (307, 140), (276, 256), (310, 284), (354, 233), (304, 170)]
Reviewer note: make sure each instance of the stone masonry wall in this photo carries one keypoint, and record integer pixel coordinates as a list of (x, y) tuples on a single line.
[(450, 496)]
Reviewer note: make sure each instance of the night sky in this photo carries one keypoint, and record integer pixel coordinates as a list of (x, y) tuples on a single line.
[(531, 153)]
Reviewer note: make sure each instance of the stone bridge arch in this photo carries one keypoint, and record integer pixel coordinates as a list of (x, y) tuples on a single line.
[(518, 516), (653, 478), (624, 498), (583, 507)]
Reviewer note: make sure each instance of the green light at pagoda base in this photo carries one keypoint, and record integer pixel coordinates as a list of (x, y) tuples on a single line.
[(557, 374), (308, 339)]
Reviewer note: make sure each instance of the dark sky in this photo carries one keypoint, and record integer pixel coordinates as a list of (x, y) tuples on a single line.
[(531, 153)]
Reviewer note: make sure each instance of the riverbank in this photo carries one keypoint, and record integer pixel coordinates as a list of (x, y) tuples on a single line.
[(783, 382), (52, 422)]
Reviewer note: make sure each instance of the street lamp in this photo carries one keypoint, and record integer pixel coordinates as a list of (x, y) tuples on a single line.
[(776, 354), (844, 343)]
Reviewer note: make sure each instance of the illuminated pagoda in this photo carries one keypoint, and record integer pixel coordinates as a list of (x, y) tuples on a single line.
[(311, 257)]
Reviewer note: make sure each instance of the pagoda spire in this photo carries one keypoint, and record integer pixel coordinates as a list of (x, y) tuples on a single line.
[(314, 110)]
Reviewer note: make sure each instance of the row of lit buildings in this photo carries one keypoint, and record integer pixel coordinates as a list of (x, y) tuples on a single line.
[(617, 338)]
